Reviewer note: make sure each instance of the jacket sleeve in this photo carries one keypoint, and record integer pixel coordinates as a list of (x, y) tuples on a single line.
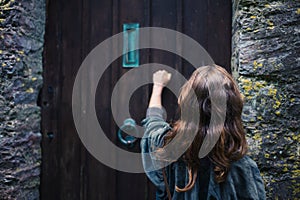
[(155, 129)]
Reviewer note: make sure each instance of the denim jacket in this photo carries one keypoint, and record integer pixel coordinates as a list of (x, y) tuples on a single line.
[(243, 181)]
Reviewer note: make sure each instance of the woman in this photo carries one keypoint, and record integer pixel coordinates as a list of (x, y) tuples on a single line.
[(225, 171)]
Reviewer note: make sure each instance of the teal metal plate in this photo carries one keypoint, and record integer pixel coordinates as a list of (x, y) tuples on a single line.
[(130, 44)]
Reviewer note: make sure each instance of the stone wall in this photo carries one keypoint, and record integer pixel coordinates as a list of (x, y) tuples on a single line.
[(21, 44), (266, 64)]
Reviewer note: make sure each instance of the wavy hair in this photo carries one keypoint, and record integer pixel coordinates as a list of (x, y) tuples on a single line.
[(231, 144)]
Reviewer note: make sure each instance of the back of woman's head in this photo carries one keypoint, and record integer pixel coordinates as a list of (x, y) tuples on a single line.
[(215, 114)]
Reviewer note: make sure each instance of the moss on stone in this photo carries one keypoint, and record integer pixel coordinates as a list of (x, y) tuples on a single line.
[(21, 60), (265, 64)]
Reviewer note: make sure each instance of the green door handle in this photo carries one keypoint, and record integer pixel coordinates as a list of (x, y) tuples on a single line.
[(128, 127)]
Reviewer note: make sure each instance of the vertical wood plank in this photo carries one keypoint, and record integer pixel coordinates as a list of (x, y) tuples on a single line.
[(70, 144), (219, 41), (195, 26), (209, 23), (50, 101), (100, 180), (131, 186), (63, 39), (164, 14)]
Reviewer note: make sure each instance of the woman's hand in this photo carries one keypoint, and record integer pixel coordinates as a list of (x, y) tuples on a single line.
[(160, 79)]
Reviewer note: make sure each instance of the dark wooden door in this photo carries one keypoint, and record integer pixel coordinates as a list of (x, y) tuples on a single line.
[(73, 29)]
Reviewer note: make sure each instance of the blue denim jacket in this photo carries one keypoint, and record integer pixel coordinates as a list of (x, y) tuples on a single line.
[(243, 181)]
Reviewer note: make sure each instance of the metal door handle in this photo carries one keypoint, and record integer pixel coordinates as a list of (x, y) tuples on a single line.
[(129, 126)]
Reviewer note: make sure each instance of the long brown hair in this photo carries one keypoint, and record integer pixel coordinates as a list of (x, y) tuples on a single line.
[(231, 144)]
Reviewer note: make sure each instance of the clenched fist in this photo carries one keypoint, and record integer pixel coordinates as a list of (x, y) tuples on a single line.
[(161, 78)]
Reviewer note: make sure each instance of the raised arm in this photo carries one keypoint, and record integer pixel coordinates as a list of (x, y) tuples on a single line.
[(155, 129)]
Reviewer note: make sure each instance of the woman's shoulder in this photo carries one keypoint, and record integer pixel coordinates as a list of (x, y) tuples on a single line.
[(245, 162), (245, 166)]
